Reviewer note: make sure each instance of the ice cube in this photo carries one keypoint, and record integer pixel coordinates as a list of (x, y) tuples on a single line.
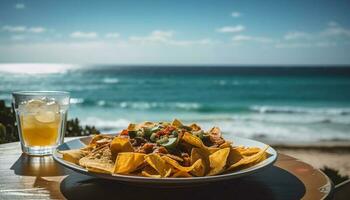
[(48, 112), (46, 116), (43, 110), (52, 106), (31, 107)]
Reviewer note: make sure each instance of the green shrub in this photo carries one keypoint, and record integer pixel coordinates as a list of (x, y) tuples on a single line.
[(73, 129), (8, 124)]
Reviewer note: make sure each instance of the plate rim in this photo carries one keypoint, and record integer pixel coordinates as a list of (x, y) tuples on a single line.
[(129, 178)]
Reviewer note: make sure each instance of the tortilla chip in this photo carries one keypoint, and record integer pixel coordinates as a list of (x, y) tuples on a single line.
[(181, 174), (195, 127), (218, 161), (174, 157), (249, 159), (121, 144), (144, 124), (212, 150), (98, 167), (149, 171), (116, 155), (145, 173), (197, 142), (159, 164), (234, 156), (132, 127), (96, 138), (128, 162), (197, 154), (177, 123), (248, 151), (73, 155), (199, 169), (193, 140), (225, 145), (176, 165), (262, 158), (99, 161)]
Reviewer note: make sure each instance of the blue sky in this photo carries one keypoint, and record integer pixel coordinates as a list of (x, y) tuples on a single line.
[(175, 32)]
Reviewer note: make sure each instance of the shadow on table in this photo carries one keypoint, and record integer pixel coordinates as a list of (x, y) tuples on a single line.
[(41, 173), (37, 166), (271, 183)]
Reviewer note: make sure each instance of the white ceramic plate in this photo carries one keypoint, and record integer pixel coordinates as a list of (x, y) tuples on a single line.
[(79, 143)]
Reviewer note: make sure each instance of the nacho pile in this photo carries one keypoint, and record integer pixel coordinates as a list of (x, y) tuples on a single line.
[(164, 149)]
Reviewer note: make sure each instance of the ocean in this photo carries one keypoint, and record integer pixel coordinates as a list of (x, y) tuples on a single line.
[(280, 104)]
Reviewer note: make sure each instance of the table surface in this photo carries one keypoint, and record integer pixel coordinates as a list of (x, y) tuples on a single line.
[(26, 177)]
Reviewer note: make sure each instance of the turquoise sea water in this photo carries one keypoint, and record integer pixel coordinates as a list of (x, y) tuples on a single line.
[(279, 104)]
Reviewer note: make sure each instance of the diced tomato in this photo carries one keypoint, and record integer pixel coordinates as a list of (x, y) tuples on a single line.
[(165, 131), (124, 132)]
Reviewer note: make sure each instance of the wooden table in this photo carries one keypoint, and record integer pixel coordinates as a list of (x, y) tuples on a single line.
[(25, 177)]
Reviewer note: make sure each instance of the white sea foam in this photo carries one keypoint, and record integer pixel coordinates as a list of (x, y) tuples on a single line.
[(99, 123), (290, 109), (226, 82), (76, 100), (141, 105), (298, 118), (101, 103), (110, 80)]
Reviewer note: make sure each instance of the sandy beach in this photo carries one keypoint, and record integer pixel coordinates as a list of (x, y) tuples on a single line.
[(334, 155)]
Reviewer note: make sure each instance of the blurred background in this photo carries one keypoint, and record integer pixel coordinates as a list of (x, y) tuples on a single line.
[(274, 71)]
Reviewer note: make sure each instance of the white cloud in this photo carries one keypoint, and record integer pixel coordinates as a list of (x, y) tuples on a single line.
[(155, 36), (296, 35), (112, 35), (107, 52), (336, 31), (20, 6), (205, 41), (231, 29), (333, 29), (241, 38), (14, 28), (36, 29), (167, 37), (162, 34), (235, 14), (111, 52), (84, 35), (22, 29), (327, 37)]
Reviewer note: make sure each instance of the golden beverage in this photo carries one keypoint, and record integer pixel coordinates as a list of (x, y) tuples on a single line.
[(41, 119), (40, 132)]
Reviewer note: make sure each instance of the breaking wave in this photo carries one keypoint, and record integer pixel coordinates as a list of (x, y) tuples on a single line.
[(291, 110)]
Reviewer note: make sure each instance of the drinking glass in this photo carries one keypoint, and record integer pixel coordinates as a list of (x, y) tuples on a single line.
[(41, 119)]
